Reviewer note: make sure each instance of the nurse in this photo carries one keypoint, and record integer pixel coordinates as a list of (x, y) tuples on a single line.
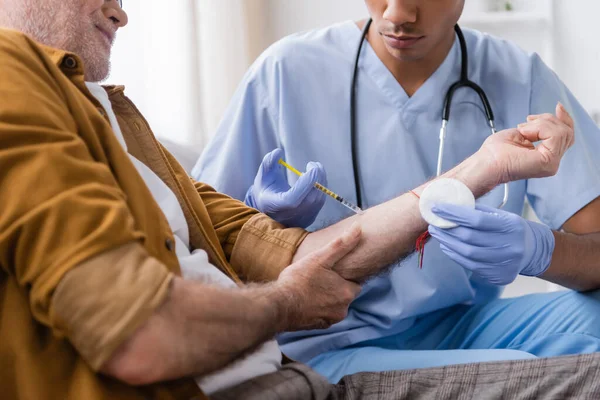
[(296, 98)]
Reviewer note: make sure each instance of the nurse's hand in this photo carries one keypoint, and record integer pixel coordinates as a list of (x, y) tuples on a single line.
[(515, 157), (495, 245), (296, 206)]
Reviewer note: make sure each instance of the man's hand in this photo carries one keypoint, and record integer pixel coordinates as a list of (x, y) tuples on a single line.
[(316, 296), (514, 156), (495, 245), (296, 206)]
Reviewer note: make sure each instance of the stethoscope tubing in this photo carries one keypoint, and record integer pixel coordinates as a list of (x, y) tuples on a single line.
[(464, 82)]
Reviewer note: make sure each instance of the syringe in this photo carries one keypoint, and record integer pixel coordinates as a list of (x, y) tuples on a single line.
[(323, 189)]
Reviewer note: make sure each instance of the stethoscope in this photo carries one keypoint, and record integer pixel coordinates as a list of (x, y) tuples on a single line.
[(464, 82)]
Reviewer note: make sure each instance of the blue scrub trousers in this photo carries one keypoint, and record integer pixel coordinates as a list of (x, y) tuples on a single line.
[(538, 325)]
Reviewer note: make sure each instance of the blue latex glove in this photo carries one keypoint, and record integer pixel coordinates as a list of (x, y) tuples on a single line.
[(495, 245), (296, 206)]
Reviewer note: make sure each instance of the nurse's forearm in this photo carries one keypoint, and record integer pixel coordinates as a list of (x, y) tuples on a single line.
[(391, 229), (576, 258), (575, 261)]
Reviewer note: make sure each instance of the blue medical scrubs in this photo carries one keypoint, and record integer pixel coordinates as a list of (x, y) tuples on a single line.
[(296, 97)]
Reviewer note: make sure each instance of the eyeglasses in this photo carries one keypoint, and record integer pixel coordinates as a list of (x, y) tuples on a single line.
[(120, 3)]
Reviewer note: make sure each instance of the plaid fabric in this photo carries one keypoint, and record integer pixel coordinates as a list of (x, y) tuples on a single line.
[(573, 377), (292, 382)]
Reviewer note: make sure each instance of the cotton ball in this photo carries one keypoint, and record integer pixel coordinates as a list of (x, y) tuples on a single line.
[(444, 191)]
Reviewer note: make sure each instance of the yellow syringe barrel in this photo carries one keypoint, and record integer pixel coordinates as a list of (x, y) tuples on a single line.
[(323, 189)]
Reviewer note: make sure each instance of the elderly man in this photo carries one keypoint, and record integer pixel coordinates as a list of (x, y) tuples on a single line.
[(99, 223)]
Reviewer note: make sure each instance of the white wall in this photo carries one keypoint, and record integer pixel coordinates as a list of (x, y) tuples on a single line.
[(289, 16), (578, 49), (158, 65)]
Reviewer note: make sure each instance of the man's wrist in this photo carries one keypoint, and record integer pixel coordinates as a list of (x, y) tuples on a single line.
[(478, 173), (281, 304)]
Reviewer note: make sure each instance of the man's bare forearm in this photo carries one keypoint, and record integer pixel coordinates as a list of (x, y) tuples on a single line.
[(576, 257), (186, 335), (391, 229), (201, 329)]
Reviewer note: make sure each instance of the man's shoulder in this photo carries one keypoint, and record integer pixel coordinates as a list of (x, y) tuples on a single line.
[(12, 40), (17, 47), (309, 48), (28, 71)]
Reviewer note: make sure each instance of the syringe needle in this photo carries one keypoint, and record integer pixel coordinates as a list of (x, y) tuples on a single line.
[(323, 189)]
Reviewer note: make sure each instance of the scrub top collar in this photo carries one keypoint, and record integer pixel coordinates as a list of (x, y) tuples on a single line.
[(429, 96)]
